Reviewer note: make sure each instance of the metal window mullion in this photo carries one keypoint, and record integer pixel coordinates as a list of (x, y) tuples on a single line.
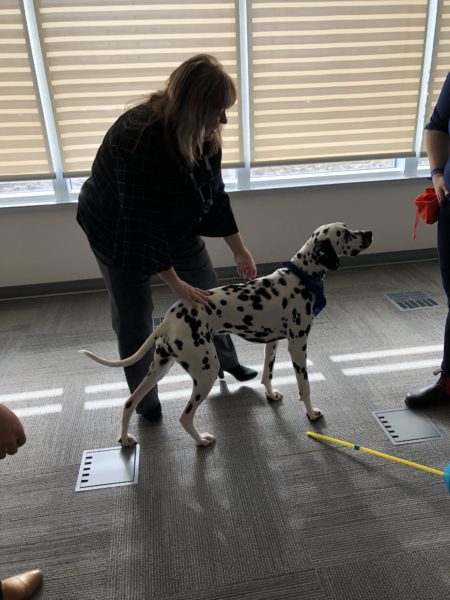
[(59, 184), (434, 7), (243, 174)]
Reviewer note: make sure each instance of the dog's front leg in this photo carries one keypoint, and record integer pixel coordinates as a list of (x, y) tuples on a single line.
[(297, 350), (270, 353)]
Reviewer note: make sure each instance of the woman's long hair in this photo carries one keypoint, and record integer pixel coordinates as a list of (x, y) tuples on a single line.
[(196, 89)]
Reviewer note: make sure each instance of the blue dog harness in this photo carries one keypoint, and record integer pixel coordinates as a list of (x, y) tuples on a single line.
[(313, 284)]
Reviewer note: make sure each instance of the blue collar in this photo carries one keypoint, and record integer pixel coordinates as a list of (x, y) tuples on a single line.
[(313, 284)]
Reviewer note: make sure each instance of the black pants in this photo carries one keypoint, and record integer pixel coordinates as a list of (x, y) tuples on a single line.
[(443, 244), (132, 306)]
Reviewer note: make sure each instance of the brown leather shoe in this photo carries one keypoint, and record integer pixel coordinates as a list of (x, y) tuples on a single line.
[(431, 395), (23, 586)]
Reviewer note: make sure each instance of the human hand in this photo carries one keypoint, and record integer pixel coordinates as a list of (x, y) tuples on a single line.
[(246, 267), (440, 186), (191, 295), (12, 434)]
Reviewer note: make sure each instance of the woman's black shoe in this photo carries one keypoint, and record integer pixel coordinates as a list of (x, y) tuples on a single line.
[(154, 414), (239, 372), (429, 396)]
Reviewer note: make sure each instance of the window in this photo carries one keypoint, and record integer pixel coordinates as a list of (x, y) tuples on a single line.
[(328, 90)]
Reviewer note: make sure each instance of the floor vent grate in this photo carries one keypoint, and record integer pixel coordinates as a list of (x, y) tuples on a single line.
[(108, 467), (403, 426), (412, 300)]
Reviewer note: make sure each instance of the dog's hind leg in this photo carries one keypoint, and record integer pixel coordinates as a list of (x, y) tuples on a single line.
[(270, 353), (297, 350), (157, 370), (202, 384)]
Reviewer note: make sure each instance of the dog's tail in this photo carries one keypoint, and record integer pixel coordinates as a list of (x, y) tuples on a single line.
[(130, 360)]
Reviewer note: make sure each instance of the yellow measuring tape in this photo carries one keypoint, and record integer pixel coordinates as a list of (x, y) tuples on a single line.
[(375, 452)]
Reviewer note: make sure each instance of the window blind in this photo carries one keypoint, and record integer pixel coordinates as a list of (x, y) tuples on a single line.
[(440, 65), (103, 56), (334, 80), (23, 145)]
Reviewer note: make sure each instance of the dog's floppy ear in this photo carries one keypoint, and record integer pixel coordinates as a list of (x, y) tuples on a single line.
[(326, 254)]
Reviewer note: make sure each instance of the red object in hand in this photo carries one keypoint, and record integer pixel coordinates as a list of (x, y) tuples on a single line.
[(427, 207)]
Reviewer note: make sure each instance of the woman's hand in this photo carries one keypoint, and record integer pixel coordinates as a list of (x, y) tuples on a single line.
[(440, 186), (12, 434), (191, 295), (246, 267), (244, 260)]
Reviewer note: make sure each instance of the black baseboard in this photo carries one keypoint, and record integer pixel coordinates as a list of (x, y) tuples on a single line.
[(224, 273)]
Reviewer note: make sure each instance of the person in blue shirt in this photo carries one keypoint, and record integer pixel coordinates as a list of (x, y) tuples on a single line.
[(437, 137)]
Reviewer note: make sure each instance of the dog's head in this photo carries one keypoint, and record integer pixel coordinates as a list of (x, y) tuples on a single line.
[(334, 240)]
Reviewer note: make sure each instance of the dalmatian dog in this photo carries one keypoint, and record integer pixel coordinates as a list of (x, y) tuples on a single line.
[(264, 310)]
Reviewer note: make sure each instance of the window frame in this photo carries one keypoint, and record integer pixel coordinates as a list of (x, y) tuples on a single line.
[(241, 178)]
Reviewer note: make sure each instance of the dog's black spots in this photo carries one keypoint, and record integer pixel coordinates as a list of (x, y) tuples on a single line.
[(208, 310), (223, 302), (296, 316), (163, 362), (291, 334), (282, 281), (266, 282), (284, 302), (296, 367), (185, 365), (162, 352), (227, 325), (188, 408), (240, 308), (211, 305), (194, 312), (128, 404), (218, 312), (256, 302), (305, 294), (262, 334), (308, 308), (206, 364), (263, 292), (338, 233), (354, 253), (179, 344), (248, 320), (243, 297), (194, 382), (197, 397)]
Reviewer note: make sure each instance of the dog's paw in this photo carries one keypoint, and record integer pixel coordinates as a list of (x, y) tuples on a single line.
[(317, 415), (274, 396), (130, 440), (206, 439)]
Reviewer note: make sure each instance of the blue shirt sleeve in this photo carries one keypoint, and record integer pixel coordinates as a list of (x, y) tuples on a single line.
[(441, 114)]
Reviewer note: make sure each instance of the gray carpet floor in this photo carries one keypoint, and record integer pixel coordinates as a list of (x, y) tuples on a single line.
[(266, 513)]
